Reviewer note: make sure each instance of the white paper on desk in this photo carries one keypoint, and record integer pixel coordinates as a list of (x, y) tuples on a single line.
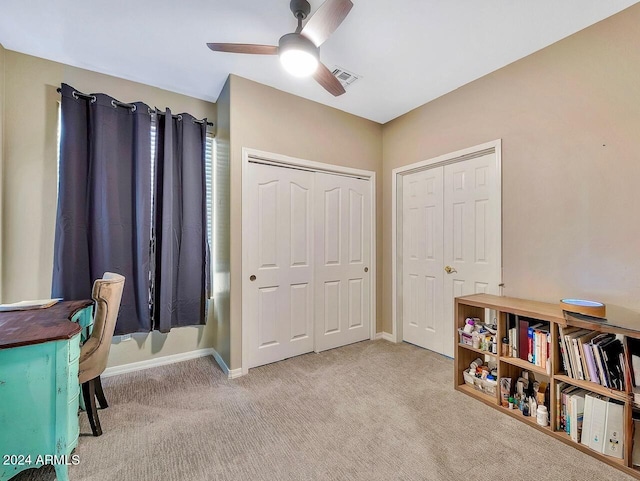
[(25, 305)]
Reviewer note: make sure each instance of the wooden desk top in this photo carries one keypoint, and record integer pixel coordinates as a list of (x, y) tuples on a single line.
[(35, 326)]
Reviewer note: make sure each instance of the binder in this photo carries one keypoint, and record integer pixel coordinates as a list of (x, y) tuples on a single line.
[(598, 421), (614, 435), (586, 420), (635, 455)]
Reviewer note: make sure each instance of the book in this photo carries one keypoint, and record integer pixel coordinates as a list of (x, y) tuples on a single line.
[(513, 342), (577, 415), (559, 414), (611, 359), (566, 406), (574, 359), (613, 432), (591, 363), (581, 341), (26, 305), (563, 351), (523, 339), (534, 333), (597, 343)]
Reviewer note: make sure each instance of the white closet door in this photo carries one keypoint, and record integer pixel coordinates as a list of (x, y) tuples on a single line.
[(450, 246), (422, 261), (342, 260), (280, 256), (471, 226)]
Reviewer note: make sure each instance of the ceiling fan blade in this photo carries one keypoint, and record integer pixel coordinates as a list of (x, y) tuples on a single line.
[(244, 48), (325, 78), (326, 20)]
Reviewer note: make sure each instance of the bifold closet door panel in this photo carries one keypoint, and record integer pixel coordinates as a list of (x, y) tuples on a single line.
[(280, 263), (342, 260), (423, 323)]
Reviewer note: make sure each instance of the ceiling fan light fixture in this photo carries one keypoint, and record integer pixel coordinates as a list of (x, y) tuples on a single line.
[(298, 55)]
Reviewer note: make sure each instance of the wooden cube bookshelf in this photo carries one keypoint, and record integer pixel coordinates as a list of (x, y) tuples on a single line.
[(475, 305)]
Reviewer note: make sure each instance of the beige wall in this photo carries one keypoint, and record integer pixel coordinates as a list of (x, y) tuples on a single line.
[(222, 211), (2, 103), (569, 119), (267, 119), (29, 197)]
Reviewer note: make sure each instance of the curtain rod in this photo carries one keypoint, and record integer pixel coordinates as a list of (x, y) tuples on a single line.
[(117, 103)]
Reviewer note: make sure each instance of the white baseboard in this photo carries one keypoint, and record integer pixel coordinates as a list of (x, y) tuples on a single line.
[(158, 361), (388, 337), (385, 336), (231, 373)]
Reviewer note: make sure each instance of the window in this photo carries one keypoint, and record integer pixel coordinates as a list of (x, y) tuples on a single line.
[(209, 170)]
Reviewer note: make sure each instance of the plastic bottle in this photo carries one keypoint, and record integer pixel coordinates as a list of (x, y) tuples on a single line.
[(542, 415)]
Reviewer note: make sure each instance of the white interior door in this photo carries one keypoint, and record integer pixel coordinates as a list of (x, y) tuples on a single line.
[(471, 233), (450, 245), (342, 260), (422, 261), (279, 307)]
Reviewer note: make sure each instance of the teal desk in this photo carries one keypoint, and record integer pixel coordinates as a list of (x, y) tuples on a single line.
[(39, 390)]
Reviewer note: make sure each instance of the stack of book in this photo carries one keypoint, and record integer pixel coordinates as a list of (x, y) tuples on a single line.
[(592, 356), (530, 340), (590, 419)]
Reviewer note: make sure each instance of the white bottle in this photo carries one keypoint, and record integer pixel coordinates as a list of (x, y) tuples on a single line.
[(542, 415)]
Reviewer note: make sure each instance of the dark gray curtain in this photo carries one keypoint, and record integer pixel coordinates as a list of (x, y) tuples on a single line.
[(104, 203), (181, 251)]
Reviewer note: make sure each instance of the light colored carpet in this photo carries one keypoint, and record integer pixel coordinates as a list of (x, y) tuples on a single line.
[(369, 411)]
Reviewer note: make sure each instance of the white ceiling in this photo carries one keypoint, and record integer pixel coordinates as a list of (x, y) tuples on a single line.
[(408, 52)]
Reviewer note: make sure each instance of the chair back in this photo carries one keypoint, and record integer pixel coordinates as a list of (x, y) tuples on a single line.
[(107, 294)]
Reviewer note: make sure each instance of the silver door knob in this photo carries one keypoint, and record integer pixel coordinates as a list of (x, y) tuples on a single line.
[(449, 270)]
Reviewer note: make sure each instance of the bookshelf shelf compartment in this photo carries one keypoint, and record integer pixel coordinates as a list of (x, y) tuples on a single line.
[(593, 387), (537, 313), (521, 363), (616, 462), (486, 398), (532, 420), (479, 351)]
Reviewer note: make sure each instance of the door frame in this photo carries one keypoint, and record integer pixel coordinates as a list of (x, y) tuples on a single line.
[(278, 160), (494, 146)]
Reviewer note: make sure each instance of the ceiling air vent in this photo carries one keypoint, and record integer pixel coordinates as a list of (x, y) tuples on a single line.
[(345, 77)]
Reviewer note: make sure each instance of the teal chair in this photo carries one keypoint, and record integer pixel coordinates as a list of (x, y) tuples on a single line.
[(107, 294)]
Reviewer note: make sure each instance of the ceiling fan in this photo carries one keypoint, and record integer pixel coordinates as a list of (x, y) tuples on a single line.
[(299, 51)]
